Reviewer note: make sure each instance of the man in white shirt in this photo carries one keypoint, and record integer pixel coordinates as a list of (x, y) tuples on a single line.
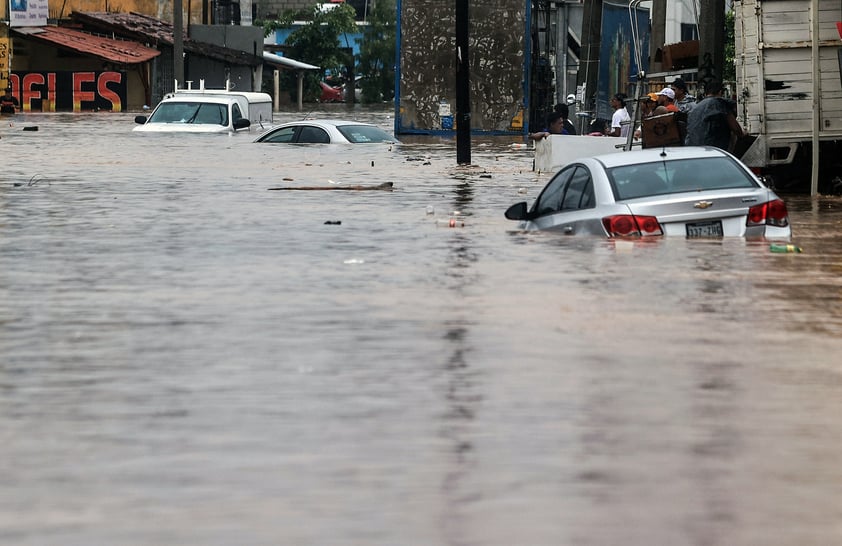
[(620, 120)]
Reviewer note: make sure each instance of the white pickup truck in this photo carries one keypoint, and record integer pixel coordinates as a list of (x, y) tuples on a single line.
[(208, 111)]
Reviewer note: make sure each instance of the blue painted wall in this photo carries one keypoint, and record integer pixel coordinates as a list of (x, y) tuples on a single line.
[(345, 40)]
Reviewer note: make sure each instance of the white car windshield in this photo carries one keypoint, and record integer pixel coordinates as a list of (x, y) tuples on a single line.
[(676, 176), (190, 112)]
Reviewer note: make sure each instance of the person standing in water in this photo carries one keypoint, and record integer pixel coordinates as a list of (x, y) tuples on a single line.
[(8, 103), (555, 126)]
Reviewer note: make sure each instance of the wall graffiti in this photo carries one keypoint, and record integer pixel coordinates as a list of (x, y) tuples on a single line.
[(69, 91)]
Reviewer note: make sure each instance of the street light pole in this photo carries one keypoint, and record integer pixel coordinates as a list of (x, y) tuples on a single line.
[(463, 85)]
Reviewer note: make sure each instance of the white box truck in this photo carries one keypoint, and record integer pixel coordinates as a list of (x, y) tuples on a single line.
[(789, 90)]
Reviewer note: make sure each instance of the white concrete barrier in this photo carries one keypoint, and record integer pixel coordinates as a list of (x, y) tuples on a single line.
[(556, 151)]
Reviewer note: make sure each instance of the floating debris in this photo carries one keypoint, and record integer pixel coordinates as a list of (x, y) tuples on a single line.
[(385, 186), (779, 248)]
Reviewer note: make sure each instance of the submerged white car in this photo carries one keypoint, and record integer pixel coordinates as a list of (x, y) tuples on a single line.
[(689, 192), (326, 131)]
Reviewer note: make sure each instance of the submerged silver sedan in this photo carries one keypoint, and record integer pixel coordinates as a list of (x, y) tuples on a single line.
[(684, 191)]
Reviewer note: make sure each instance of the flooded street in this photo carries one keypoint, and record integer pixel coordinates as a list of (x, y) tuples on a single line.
[(187, 357)]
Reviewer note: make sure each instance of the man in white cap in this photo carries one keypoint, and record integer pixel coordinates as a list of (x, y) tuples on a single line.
[(666, 101)]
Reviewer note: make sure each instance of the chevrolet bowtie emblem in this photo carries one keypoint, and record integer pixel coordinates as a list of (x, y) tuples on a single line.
[(703, 204)]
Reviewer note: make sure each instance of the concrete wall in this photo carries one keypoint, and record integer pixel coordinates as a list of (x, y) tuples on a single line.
[(248, 39), (428, 64), (243, 38)]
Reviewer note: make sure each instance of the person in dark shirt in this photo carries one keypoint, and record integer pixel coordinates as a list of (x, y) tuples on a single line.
[(555, 126), (712, 121), (684, 101), (564, 110), (8, 103)]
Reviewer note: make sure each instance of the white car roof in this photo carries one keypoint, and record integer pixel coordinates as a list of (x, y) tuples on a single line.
[(252, 97), (333, 122), (200, 98), (655, 154)]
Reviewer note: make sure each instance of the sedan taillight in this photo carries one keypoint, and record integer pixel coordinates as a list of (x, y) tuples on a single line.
[(628, 225), (773, 213)]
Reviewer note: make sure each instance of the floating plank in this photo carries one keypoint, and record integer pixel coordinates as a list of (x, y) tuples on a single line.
[(385, 186)]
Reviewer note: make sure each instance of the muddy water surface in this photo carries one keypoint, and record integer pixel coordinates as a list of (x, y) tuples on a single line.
[(187, 357)]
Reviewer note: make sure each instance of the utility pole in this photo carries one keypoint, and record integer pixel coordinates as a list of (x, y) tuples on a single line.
[(657, 38), (589, 65), (177, 42), (711, 39), (463, 84), (562, 31)]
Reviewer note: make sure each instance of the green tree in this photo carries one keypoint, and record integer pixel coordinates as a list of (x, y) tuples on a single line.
[(377, 53), (317, 43), (729, 73)]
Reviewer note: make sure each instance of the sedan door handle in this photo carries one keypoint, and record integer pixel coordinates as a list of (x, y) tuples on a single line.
[(568, 230)]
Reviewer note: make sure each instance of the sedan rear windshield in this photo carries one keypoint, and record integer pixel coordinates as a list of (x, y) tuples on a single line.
[(360, 134), (676, 176)]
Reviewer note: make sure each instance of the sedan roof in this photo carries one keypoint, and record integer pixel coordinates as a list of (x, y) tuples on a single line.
[(334, 122), (658, 154)]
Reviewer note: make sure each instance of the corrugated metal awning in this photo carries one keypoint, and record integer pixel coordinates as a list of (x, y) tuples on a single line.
[(107, 49)]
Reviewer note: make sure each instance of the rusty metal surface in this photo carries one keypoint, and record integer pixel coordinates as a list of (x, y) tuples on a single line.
[(150, 30), (108, 49), (428, 62)]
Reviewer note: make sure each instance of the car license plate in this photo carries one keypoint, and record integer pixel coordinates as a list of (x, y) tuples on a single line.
[(705, 229)]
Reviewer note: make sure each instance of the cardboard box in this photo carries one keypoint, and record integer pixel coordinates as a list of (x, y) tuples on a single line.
[(664, 130)]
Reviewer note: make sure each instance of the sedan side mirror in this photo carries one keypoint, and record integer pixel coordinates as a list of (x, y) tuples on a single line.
[(517, 211), (140, 119), (241, 123)]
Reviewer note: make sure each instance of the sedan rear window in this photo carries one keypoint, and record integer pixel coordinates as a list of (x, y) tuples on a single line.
[(665, 177), (360, 134)]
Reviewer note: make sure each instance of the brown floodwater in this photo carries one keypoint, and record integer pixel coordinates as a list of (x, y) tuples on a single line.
[(188, 357)]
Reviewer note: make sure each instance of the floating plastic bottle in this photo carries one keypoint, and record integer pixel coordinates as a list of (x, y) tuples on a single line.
[(453, 222), (781, 248)]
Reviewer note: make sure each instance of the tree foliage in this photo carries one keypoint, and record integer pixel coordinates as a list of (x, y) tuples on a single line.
[(317, 42), (321, 42), (377, 53), (729, 71)]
